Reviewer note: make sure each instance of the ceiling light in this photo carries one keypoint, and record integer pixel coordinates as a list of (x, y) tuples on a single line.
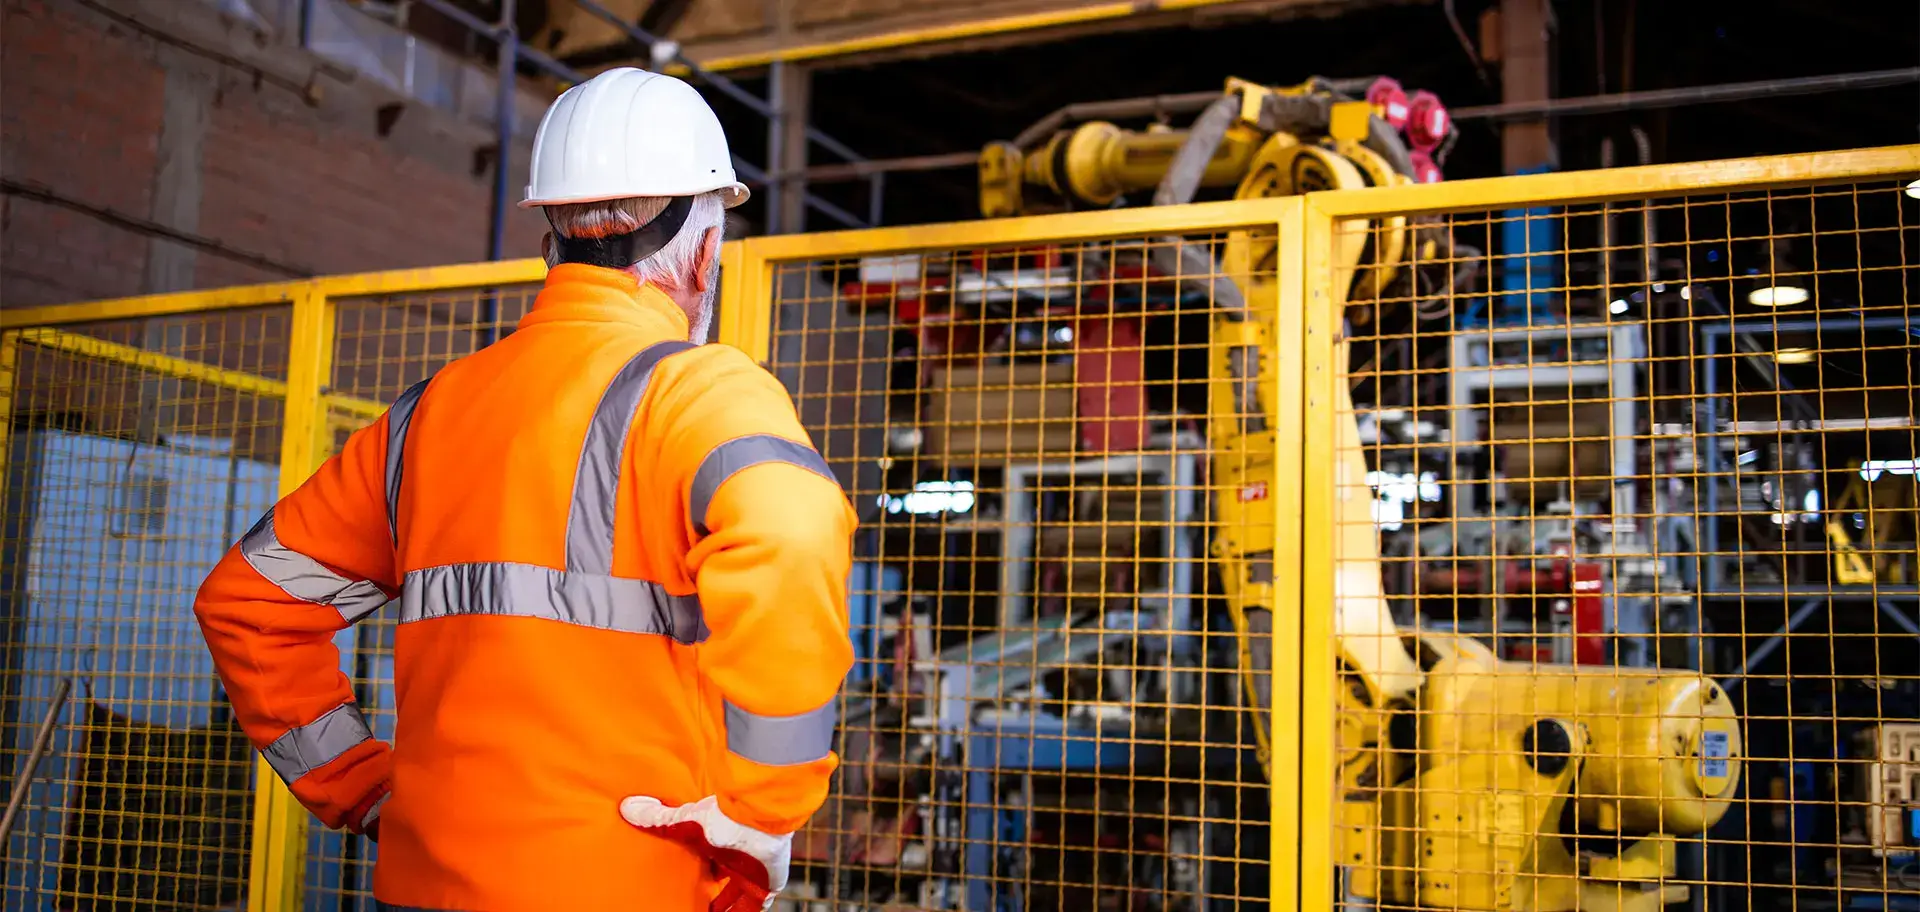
[(664, 53), (1913, 189), (1686, 292), (1659, 287), (1792, 356), (1618, 306), (1778, 296)]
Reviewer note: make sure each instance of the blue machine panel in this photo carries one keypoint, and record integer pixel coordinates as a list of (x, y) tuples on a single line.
[(109, 605)]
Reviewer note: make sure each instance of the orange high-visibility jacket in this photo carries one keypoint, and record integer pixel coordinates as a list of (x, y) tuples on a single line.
[(619, 568)]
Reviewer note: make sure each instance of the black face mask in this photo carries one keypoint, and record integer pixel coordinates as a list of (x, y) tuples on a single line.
[(618, 251)]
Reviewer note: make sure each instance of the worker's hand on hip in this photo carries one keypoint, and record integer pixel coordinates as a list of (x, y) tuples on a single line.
[(754, 863)]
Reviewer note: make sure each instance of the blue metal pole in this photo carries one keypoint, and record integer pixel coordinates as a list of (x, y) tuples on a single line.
[(558, 70), (1710, 465), (509, 54), (978, 834), (762, 106), (776, 129), (503, 128), (306, 24)]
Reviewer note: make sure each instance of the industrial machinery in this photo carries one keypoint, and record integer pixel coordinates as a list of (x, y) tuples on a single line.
[(1467, 780)]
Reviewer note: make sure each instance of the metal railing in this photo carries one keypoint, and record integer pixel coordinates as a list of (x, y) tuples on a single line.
[(1658, 631), (512, 50)]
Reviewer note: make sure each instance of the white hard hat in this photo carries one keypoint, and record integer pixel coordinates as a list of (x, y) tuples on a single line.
[(627, 133)]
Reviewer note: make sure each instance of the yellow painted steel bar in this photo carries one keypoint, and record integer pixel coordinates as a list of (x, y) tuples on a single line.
[(9, 378), (1319, 483), (180, 368), (746, 300), (152, 305), (152, 362), (434, 278), (359, 408), (956, 31), (1286, 787), (1571, 187), (364, 284), (279, 821), (1068, 227)]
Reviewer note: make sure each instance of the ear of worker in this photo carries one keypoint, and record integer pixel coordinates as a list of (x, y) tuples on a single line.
[(754, 863)]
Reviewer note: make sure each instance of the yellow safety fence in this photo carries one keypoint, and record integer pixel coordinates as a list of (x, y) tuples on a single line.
[(1618, 538), (1567, 564)]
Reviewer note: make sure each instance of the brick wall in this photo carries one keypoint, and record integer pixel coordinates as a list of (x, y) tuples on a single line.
[(92, 138), (332, 198), (97, 95)]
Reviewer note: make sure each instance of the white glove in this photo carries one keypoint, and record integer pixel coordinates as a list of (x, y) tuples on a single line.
[(754, 863)]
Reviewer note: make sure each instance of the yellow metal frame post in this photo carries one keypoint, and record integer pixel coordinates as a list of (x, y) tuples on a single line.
[(1321, 316), (746, 300), (1288, 788), (9, 377), (279, 821)]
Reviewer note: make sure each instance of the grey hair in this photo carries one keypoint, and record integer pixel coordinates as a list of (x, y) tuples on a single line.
[(670, 265)]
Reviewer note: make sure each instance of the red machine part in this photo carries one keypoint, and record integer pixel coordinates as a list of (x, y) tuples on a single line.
[(1425, 170), (1536, 653), (1589, 616), (1109, 370), (1388, 98), (1522, 577), (1581, 615), (1427, 121), (1043, 257)]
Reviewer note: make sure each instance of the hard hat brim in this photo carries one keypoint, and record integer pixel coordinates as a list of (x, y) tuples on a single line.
[(732, 195)]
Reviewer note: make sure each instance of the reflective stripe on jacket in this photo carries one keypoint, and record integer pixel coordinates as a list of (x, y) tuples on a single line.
[(618, 569)]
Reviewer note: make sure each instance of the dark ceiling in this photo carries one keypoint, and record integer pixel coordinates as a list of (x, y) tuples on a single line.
[(961, 101)]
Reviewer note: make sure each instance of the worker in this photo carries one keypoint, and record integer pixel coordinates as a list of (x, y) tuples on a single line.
[(616, 564)]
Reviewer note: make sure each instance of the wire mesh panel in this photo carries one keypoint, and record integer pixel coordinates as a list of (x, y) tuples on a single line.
[(1046, 710), (1623, 552), (381, 346), (133, 453), (386, 343)]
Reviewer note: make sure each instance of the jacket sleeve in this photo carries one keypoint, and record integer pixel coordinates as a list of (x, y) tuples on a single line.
[(772, 541), (318, 561)]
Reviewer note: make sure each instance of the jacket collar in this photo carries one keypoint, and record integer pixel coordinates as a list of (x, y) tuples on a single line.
[(592, 294)]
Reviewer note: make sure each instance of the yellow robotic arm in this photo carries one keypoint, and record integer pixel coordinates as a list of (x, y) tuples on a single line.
[(1481, 811), (1251, 138)]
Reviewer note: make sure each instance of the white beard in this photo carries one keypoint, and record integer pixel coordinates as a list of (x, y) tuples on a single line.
[(702, 324)]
